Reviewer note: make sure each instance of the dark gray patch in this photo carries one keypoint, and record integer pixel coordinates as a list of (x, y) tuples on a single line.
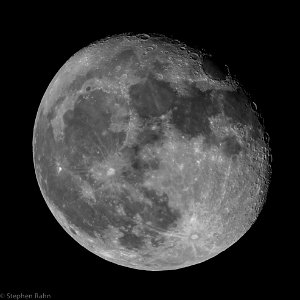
[(190, 114), (85, 126), (131, 241), (139, 164), (65, 194), (237, 107), (151, 98), (214, 68), (159, 67), (230, 146), (157, 240), (132, 176), (134, 172), (150, 136), (160, 214), (123, 57)]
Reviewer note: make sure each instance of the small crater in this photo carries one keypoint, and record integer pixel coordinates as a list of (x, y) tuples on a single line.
[(143, 36)]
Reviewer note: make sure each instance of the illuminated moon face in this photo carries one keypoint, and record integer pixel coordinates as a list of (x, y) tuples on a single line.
[(146, 159)]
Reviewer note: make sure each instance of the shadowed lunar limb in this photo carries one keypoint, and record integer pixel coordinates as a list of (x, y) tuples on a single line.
[(146, 164), (213, 68)]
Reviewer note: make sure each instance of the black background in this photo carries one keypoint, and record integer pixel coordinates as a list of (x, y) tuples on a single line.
[(38, 255)]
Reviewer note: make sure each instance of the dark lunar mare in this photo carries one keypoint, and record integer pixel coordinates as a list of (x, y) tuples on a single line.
[(190, 113), (230, 146), (148, 136), (82, 137), (237, 107), (151, 98), (86, 125)]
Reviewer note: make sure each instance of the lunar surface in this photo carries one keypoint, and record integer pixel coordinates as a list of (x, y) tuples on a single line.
[(148, 155)]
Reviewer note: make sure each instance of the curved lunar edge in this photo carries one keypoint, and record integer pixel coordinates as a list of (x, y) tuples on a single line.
[(148, 155)]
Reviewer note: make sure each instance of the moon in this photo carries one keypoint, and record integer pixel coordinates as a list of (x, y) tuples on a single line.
[(150, 155)]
